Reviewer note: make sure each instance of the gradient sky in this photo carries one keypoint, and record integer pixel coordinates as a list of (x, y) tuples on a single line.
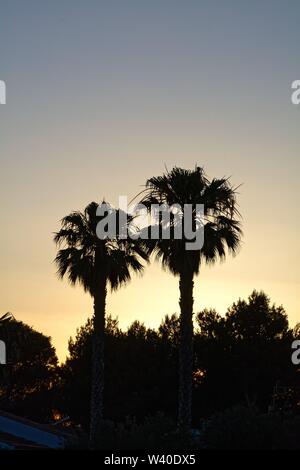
[(102, 95)]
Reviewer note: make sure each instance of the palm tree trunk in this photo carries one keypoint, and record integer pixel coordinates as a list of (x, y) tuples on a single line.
[(186, 285), (97, 386)]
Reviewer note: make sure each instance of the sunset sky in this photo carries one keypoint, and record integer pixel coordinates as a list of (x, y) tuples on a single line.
[(102, 95)]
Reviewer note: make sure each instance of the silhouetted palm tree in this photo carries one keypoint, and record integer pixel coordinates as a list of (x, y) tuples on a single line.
[(221, 231), (96, 263), (6, 318)]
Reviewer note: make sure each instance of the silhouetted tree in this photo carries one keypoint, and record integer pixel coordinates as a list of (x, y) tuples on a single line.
[(96, 263), (239, 358), (244, 354), (140, 373), (221, 231), (27, 381)]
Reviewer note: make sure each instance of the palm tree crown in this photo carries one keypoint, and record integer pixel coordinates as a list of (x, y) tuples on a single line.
[(221, 226), (84, 254)]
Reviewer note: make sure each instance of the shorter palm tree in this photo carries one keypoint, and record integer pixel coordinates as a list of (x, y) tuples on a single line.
[(96, 264)]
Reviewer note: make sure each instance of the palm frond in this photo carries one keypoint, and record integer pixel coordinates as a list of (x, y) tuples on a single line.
[(117, 258), (222, 229)]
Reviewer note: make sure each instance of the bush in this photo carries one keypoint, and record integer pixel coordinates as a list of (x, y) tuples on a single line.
[(155, 432), (246, 428)]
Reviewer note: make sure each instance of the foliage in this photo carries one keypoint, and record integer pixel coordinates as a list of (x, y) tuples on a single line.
[(246, 428), (234, 364), (141, 366), (240, 358), (244, 354), (84, 254), (152, 433), (27, 382)]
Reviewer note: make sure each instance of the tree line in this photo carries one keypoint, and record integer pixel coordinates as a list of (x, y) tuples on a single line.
[(240, 359)]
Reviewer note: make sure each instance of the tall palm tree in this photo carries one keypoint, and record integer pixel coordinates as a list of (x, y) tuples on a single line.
[(222, 233), (96, 264)]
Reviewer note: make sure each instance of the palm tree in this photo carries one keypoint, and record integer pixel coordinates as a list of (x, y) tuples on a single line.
[(96, 264), (6, 318), (222, 233)]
